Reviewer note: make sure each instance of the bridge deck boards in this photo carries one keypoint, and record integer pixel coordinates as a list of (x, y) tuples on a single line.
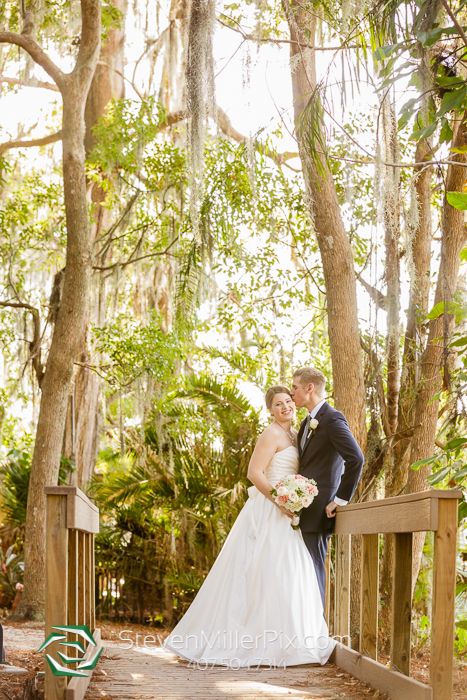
[(132, 675)]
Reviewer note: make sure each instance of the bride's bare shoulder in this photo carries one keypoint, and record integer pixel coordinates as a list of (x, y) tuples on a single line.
[(271, 434)]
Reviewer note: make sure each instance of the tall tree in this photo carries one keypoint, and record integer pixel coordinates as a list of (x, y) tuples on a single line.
[(435, 360), (81, 434), (73, 310), (333, 241)]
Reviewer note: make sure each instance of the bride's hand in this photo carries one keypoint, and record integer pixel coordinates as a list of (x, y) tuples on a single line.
[(286, 512)]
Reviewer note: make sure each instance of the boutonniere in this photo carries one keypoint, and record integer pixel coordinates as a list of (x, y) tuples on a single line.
[(312, 427)]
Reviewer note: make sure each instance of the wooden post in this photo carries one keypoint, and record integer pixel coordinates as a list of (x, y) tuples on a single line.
[(342, 590), (73, 577), (93, 583), (327, 599), (2, 648), (88, 578), (444, 582), (73, 586), (72, 520), (56, 612), (401, 602), (81, 578), (369, 596)]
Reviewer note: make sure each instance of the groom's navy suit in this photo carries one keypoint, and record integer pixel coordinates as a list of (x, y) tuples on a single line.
[(332, 457)]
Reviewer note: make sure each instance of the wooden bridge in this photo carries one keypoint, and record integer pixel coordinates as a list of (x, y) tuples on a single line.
[(72, 521)]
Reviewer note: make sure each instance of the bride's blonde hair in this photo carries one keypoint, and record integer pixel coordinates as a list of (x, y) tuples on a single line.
[(270, 394)]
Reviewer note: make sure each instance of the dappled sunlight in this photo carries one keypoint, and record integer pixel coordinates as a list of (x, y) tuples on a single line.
[(255, 689)]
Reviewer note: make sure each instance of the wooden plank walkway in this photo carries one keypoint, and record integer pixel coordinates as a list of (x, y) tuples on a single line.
[(154, 673), (144, 672)]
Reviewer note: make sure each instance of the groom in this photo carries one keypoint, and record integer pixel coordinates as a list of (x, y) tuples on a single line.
[(328, 454)]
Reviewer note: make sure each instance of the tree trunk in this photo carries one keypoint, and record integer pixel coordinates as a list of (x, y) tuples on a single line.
[(392, 211), (72, 314), (418, 254), (172, 92), (392, 208), (335, 250), (81, 435), (419, 265), (435, 357), (333, 242)]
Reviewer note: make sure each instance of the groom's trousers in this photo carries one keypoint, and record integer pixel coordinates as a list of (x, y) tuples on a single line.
[(317, 545)]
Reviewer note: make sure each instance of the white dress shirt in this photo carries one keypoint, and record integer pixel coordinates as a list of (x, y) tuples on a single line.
[(313, 412)]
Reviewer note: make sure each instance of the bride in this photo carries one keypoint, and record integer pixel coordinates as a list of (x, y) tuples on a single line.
[(260, 603)]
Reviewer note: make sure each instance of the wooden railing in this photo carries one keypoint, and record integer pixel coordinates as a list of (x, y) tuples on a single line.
[(72, 521), (433, 510)]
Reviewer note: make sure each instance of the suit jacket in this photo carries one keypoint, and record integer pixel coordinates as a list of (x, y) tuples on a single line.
[(332, 457)]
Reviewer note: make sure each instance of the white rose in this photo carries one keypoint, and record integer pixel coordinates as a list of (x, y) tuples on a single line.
[(313, 424), (282, 491)]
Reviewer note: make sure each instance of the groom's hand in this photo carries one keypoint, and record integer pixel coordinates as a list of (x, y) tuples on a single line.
[(331, 509)]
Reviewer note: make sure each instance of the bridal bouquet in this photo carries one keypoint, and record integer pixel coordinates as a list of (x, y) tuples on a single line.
[(294, 492)]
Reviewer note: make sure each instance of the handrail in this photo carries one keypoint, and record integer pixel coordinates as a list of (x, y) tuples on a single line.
[(72, 522), (432, 510)]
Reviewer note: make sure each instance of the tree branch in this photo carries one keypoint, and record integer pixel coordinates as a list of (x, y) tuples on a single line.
[(20, 143), (35, 344), (376, 363), (89, 43), (454, 20), (29, 82), (226, 127), (378, 297), (260, 40), (131, 260), (38, 55)]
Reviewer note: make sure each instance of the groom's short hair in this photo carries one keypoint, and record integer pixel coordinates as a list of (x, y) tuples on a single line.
[(311, 375)]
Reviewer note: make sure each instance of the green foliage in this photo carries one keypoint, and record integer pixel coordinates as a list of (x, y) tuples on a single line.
[(422, 601), (123, 134), (168, 502), (454, 307), (11, 574), (31, 219), (443, 92), (15, 471), (14, 476), (131, 349), (448, 469), (111, 18), (458, 200), (311, 129), (448, 466)]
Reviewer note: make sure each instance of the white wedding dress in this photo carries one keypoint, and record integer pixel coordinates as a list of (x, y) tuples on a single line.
[(260, 603)]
